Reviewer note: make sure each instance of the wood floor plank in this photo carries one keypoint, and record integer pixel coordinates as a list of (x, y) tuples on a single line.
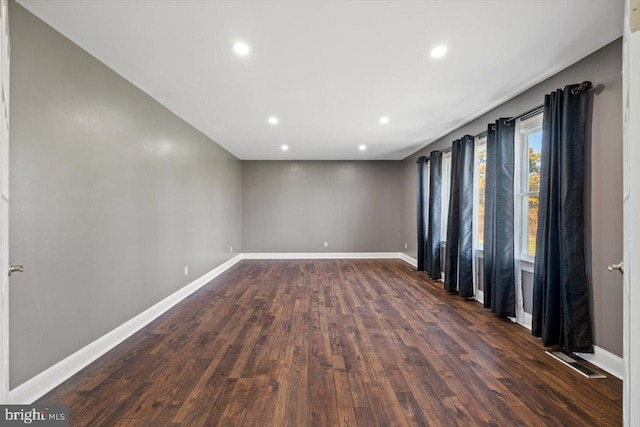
[(332, 343)]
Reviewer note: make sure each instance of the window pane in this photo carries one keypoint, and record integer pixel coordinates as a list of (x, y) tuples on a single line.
[(534, 144), (532, 225), (482, 174), (446, 188)]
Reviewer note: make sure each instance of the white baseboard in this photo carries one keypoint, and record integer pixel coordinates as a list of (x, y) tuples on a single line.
[(31, 390), (408, 259), (321, 255), (603, 359), (606, 361), (479, 296), (525, 320)]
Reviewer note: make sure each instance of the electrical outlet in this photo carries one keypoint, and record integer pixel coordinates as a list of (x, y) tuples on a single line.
[(326, 244), (186, 270), (230, 248), (406, 246)]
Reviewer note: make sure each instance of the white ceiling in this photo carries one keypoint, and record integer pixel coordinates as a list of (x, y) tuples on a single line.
[(330, 69)]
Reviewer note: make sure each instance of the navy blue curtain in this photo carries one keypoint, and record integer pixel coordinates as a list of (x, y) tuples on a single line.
[(433, 268), (459, 251), (453, 225), (423, 211), (560, 294), (499, 264)]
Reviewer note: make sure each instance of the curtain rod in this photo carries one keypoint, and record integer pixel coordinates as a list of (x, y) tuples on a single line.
[(526, 113), (585, 86), (481, 134), (446, 150)]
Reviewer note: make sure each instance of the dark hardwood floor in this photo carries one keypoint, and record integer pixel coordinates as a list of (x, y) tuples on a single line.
[(328, 343)]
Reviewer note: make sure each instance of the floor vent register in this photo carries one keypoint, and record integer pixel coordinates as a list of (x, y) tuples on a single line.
[(575, 365)]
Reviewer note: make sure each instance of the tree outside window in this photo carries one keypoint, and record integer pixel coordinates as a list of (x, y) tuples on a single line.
[(534, 145), (482, 176)]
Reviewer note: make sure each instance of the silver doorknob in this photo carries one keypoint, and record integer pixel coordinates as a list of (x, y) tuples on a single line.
[(619, 266), (15, 269)]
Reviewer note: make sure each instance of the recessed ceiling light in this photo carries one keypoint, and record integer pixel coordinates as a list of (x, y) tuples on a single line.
[(273, 120), (241, 48), (384, 120), (438, 51), (362, 147), (284, 147)]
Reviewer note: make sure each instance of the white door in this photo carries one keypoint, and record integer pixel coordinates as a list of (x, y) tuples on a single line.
[(631, 197), (4, 203)]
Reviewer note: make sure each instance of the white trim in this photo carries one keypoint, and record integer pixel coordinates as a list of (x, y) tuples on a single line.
[(478, 257), (406, 258), (527, 266), (606, 361), (603, 359), (50, 378), (322, 255), (5, 110), (527, 320)]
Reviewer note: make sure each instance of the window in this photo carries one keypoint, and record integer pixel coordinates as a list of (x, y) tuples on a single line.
[(480, 171), (426, 178), (479, 186), (528, 154), (446, 189)]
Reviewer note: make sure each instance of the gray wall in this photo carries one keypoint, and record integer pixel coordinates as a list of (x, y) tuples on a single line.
[(296, 206), (112, 195), (604, 219)]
